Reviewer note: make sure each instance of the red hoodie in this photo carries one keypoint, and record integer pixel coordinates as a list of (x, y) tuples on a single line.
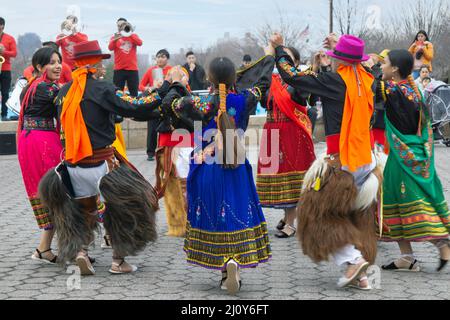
[(10, 50), (125, 56), (66, 43)]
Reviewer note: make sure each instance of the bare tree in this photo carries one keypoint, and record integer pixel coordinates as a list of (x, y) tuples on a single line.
[(431, 16), (350, 19), (434, 18), (399, 30), (230, 47), (293, 31)]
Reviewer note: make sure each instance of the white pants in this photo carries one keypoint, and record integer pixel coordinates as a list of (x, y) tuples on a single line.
[(347, 254), (85, 181), (182, 158), (363, 173)]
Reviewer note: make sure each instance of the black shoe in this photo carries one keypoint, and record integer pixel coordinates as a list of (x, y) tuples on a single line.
[(287, 232), (442, 265), (413, 267), (281, 225)]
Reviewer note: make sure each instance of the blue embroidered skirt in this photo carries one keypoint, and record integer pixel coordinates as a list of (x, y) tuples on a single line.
[(225, 218)]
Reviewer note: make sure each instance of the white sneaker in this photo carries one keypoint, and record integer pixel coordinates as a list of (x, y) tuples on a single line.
[(232, 283)]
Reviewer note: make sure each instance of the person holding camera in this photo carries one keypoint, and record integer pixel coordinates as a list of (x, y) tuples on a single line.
[(422, 51), (153, 79), (124, 44)]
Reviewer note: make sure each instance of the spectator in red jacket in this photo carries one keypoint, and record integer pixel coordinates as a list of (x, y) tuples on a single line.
[(148, 83), (8, 50), (66, 42), (124, 44), (162, 62), (66, 72)]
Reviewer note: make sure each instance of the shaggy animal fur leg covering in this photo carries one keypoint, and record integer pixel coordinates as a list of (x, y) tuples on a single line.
[(131, 204), (70, 224), (337, 215)]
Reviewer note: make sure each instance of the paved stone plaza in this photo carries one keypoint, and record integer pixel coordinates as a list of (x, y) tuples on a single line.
[(164, 274)]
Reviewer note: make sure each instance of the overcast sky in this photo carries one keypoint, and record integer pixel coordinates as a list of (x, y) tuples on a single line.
[(170, 24)]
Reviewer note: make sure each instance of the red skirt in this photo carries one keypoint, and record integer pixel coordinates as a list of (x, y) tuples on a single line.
[(38, 152), (286, 154)]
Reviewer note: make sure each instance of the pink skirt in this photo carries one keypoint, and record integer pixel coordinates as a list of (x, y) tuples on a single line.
[(38, 152)]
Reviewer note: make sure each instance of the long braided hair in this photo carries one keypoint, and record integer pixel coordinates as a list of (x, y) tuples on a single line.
[(222, 74), (404, 60)]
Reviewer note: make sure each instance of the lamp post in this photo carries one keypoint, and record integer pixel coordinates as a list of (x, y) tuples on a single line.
[(331, 15)]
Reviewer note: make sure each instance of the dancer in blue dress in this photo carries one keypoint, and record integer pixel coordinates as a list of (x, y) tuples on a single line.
[(226, 227)]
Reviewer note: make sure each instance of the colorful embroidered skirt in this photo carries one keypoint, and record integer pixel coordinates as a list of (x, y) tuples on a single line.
[(283, 162), (225, 219), (38, 152), (414, 205)]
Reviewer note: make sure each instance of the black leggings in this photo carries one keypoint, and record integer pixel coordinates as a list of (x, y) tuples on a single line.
[(152, 137), (5, 84)]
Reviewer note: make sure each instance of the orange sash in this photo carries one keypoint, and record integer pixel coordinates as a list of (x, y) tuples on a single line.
[(354, 145), (78, 143)]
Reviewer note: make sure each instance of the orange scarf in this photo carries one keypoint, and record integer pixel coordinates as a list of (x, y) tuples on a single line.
[(355, 146), (78, 143)]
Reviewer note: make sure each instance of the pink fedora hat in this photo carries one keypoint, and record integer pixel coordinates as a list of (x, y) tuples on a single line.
[(350, 49)]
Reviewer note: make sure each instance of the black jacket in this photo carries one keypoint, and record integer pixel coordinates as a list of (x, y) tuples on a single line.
[(99, 106), (42, 105), (185, 109), (197, 78), (329, 86), (401, 104)]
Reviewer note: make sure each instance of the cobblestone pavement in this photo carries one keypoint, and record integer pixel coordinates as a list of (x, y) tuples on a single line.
[(164, 274)]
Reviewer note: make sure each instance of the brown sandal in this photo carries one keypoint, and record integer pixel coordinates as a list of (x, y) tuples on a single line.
[(119, 268)]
